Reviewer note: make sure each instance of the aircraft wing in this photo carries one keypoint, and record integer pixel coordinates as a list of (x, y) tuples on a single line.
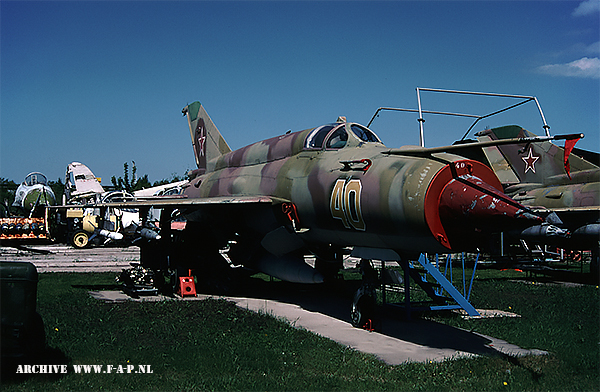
[(181, 202), (424, 152), (211, 211), (217, 214), (567, 209)]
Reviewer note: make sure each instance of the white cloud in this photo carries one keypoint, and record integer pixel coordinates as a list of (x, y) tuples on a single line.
[(582, 68), (587, 7)]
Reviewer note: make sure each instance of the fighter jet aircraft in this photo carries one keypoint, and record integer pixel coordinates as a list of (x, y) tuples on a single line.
[(547, 177), (34, 193), (318, 191)]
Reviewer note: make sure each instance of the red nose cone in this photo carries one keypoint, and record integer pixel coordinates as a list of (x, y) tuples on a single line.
[(465, 200), (468, 203)]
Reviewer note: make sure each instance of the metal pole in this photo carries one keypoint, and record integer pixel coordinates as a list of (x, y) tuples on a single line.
[(545, 126), (463, 275), (406, 266), (383, 275), (420, 120), (473, 276)]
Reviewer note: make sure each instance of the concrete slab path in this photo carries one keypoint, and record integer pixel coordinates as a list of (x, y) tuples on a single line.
[(398, 342)]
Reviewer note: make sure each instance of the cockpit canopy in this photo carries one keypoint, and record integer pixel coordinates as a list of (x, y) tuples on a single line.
[(35, 178), (330, 137), (335, 135)]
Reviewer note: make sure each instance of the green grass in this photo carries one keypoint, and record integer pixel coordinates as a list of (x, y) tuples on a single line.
[(214, 345)]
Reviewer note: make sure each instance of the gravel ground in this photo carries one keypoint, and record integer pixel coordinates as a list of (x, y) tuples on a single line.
[(64, 258)]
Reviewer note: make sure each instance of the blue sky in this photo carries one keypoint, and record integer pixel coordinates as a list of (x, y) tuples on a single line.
[(104, 83)]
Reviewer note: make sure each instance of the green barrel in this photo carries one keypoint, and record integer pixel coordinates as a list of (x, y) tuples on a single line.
[(22, 328)]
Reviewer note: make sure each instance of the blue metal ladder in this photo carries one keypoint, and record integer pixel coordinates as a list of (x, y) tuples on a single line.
[(462, 300), (436, 290)]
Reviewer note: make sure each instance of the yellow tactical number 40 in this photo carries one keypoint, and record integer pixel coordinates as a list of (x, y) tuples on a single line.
[(345, 203)]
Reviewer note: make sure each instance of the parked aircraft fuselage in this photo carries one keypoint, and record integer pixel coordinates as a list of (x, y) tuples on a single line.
[(351, 193)]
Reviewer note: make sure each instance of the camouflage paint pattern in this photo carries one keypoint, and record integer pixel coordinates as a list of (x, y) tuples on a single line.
[(540, 172), (345, 192)]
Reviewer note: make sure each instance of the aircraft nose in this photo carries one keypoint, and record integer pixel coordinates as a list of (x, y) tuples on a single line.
[(467, 199), (469, 207), (466, 204)]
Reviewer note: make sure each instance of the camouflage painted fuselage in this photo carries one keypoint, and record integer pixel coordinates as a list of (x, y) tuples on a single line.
[(354, 195)]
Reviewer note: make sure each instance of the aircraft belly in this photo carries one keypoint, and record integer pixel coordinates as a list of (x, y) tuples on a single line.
[(413, 240), (290, 268)]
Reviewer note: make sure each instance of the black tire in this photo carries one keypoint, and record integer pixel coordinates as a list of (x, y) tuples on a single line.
[(363, 310), (80, 239)]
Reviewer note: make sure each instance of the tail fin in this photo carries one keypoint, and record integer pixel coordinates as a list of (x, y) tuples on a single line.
[(532, 162), (206, 138), (81, 182)]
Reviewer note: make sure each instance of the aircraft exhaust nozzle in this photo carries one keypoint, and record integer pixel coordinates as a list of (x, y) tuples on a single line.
[(113, 235)]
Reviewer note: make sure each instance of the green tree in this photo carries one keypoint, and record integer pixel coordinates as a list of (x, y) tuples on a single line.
[(125, 184), (7, 196), (58, 188), (174, 178)]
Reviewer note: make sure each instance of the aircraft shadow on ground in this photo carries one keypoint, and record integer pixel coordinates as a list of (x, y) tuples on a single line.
[(336, 302)]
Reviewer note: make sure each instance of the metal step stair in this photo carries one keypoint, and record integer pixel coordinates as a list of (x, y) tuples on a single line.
[(461, 301), (431, 289)]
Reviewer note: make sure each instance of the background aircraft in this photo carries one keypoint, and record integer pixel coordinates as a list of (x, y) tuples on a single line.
[(80, 225), (536, 175), (547, 178), (33, 194), (559, 183)]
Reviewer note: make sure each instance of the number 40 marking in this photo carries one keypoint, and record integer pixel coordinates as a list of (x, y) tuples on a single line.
[(345, 203)]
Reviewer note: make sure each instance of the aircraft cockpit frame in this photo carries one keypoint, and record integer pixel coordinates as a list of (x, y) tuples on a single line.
[(34, 178), (336, 135)]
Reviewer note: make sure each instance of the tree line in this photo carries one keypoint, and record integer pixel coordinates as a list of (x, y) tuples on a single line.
[(129, 182), (134, 183)]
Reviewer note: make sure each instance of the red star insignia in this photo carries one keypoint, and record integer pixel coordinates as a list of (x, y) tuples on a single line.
[(530, 161), (201, 140)]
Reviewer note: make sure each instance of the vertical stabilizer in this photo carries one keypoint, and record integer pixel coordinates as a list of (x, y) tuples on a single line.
[(81, 182), (532, 162), (206, 139)]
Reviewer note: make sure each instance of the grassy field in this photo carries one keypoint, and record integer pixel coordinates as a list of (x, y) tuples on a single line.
[(213, 345)]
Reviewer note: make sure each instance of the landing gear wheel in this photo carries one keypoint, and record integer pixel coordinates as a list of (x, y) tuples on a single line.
[(80, 239), (363, 309)]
